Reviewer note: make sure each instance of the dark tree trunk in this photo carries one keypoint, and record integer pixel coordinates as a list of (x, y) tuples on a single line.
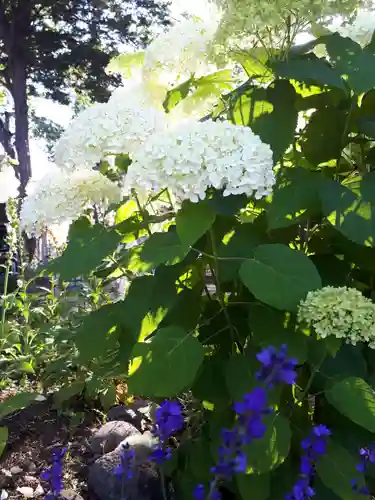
[(14, 34), (22, 122)]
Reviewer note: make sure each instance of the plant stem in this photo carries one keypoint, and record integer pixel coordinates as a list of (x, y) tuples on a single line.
[(142, 212), (220, 295), (162, 481)]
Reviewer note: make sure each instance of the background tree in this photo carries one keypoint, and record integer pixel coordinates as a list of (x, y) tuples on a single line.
[(49, 47)]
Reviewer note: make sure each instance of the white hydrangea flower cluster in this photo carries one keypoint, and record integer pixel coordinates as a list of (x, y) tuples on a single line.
[(195, 156), (361, 29), (119, 126), (342, 312), (8, 182), (62, 196)]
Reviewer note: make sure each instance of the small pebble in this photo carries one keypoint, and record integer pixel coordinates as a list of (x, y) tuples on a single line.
[(39, 491), (26, 491), (15, 470), (70, 495), (4, 495)]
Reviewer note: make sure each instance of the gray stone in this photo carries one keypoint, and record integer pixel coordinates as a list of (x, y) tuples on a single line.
[(70, 495), (29, 466), (137, 414), (26, 491), (15, 470), (6, 478), (110, 435), (145, 484)]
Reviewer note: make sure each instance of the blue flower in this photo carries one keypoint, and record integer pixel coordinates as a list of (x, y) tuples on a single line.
[(126, 466), (168, 420), (54, 475), (161, 454), (276, 366), (367, 455), (199, 492), (250, 412), (314, 446), (232, 458)]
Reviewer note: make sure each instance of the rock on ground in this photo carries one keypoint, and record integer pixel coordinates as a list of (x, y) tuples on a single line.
[(137, 414), (146, 483), (110, 435)]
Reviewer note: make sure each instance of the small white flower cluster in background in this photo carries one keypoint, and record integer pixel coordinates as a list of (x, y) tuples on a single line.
[(62, 196), (180, 52), (361, 29), (8, 182), (102, 130), (195, 156), (342, 312)]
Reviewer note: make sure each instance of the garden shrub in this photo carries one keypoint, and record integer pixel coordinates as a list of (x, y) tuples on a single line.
[(272, 191)]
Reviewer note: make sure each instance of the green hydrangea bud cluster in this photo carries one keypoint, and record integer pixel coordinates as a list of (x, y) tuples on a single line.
[(342, 312), (269, 19)]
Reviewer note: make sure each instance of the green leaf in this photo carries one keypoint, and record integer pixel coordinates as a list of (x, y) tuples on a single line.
[(336, 468), (3, 439), (67, 392), (126, 63), (254, 62), (358, 227), (163, 248), (250, 104), (254, 486), (296, 198), (206, 88), (186, 310), (199, 459), (169, 365), (86, 249), (309, 70), (367, 127), (349, 59), (367, 187), (333, 271), (240, 244), (279, 276), (97, 335), (210, 384), (283, 479), (125, 211), (277, 128), (193, 220), (272, 449), (240, 375), (18, 402), (322, 139), (355, 399), (273, 327), (147, 303), (108, 397), (322, 492), (348, 362)]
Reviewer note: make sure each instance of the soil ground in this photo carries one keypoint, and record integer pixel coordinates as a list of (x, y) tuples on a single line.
[(33, 434)]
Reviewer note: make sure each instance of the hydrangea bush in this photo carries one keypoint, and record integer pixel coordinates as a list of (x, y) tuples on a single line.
[(249, 315)]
